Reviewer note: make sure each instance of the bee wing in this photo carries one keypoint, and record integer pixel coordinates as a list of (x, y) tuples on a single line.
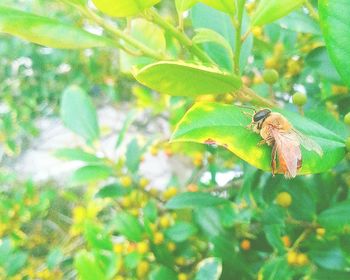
[(308, 143), (288, 152)]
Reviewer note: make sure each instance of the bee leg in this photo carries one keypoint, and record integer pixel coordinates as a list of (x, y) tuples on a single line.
[(273, 159), (262, 142)]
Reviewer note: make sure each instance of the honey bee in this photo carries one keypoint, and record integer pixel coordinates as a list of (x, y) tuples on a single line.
[(286, 141)]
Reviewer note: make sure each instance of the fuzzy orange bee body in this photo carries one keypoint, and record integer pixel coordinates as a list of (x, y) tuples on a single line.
[(286, 141)]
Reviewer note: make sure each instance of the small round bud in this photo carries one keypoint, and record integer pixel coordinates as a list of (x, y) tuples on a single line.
[(292, 257), (347, 143), (284, 199), (286, 241), (270, 76), (320, 232), (302, 259), (299, 99), (245, 245), (347, 118)]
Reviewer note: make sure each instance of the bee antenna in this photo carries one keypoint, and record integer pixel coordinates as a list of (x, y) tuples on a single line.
[(246, 107)]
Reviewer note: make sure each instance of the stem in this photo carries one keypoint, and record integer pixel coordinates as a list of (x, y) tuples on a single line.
[(300, 239), (245, 35), (246, 94), (238, 42), (312, 11), (272, 94), (144, 50), (181, 37)]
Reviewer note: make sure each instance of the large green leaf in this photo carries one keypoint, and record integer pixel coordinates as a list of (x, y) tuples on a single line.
[(206, 17), (79, 114), (180, 231), (226, 125), (123, 8), (46, 31), (209, 269), (129, 226), (336, 217), (227, 6), (193, 200), (335, 24), (271, 10), (90, 174), (87, 266), (183, 79), (77, 154)]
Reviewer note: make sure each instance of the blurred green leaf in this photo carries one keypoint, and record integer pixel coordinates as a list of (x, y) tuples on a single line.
[(329, 256), (151, 36), (97, 237), (128, 121), (129, 226), (226, 6), (336, 217), (15, 263), (133, 156), (205, 35), (132, 260), (162, 273), (77, 154), (78, 113), (183, 79), (226, 125), (123, 8), (87, 266), (194, 200), (54, 258), (318, 60), (183, 5), (271, 10), (90, 174), (150, 211), (180, 231), (298, 21), (273, 236), (112, 190), (47, 32), (277, 268), (209, 269), (335, 23), (208, 219)]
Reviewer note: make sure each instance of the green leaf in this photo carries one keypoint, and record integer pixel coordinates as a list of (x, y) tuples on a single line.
[(329, 256), (123, 8), (194, 200), (47, 32), (90, 174), (132, 260), (336, 217), (205, 35), (298, 21), (77, 154), (87, 266), (112, 190), (318, 60), (79, 114), (97, 237), (16, 262), (277, 268), (226, 125), (273, 236), (162, 273), (54, 258), (183, 5), (209, 18), (209, 269), (183, 79), (150, 211), (129, 226), (151, 36), (271, 10), (208, 219), (227, 6), (133, 156), (335, 24), (180, 231)]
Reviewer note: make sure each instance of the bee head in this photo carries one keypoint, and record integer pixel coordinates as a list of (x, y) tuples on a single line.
[(260, 116)]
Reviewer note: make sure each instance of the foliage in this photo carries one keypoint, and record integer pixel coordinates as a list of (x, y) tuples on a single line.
[(192, 63)]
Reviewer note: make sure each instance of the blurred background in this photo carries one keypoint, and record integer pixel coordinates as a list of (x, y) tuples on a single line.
[(72, 209)]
